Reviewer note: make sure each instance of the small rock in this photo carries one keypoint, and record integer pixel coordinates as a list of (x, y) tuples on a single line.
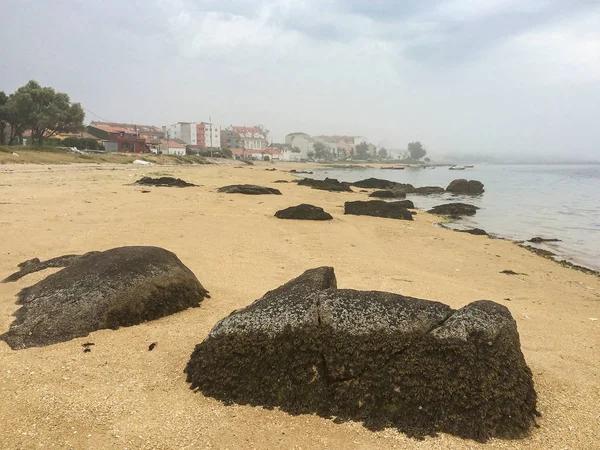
[(303, 212)]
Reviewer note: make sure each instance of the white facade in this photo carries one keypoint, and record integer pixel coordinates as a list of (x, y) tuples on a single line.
[(185, 131), (211, 134), (288, 155), (303, 142)]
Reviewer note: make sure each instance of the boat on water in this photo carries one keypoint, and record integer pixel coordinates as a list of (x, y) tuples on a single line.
[(470, 166), (457, 168), (393, 168)]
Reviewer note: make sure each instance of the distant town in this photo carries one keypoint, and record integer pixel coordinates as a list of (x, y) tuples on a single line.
[(39, 116), (239, 142)]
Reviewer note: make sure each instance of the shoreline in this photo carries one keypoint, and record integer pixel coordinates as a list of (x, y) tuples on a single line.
[(121, 395), (563, 256)]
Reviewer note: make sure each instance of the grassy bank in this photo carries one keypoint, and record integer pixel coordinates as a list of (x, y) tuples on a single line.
[(53, 155)]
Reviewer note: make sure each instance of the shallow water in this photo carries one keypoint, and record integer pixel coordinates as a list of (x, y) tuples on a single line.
[(520, 201)]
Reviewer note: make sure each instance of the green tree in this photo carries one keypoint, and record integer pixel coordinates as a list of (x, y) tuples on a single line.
[(3, 117), (43, 111), (427, 159), (227, 153), (382, 153), (362, 151), (320, 150), (310, 155), (416, 150), (296, 150)]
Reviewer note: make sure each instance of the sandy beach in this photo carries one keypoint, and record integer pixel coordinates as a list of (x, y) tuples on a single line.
[(122, 396)]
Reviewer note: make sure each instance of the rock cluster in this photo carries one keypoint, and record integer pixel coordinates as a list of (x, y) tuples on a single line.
[(380, 208)]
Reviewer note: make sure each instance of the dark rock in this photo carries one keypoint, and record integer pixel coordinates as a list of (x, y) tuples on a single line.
[(539, 240), (272, 169), (164, 182), (379, 208), (151, 346), (249, 189), (454, 210), (475, 231), (88, 344), (462, 186), (87, 350), (512, 272), (35, 265), (301, 171), (328, 184), (388, 194), (280, 181), (429, 190), (377, 183), (303, 212), (145, 191), (119, 287), (381, 358)]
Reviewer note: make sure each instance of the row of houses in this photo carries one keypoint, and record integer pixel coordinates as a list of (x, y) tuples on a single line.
[(200, 137), (304, 146)]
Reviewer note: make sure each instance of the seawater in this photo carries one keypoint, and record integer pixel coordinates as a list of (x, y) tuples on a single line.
[(520, 201)]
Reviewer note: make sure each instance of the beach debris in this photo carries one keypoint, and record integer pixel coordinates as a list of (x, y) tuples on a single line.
[(512, 272), (281, 181), (142, 162), (539, 240), (301, 171), (105, 290), (454, 210), (248, 163), (151, 346), (15, 154), (88, 344), (328, 184), (272, 169), (474, 231), (378, 183), (303, 211), (593, 319), (87, 350), (387, 193), (429, 190), (163, 182), (380, 208), (380, 358), (466, 187), (144, 191), (249, 189)]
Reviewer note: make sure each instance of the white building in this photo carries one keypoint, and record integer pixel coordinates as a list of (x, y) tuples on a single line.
[(185, 131), (302, 142), (172, 147)]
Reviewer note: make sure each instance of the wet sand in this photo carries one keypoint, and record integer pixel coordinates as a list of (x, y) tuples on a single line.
[(120, 395)]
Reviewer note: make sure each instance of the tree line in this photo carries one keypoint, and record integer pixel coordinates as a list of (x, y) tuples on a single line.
[(41, 110)]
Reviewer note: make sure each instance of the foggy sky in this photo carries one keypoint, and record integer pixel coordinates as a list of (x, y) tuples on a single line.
[(472, 76)]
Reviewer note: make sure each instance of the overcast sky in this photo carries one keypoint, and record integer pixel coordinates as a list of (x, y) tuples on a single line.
[(474, 76)]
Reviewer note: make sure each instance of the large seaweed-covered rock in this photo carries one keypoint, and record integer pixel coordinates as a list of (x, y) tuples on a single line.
[(455, 210), (119, 287), (380, 208), (466, 187), (248, 189), (328, 184), (378, 183), (429, 190), (387, 193), (163, 182), (303, 211), (381, 358)]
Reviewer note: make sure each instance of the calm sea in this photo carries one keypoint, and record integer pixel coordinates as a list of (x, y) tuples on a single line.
[(520, 202)]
